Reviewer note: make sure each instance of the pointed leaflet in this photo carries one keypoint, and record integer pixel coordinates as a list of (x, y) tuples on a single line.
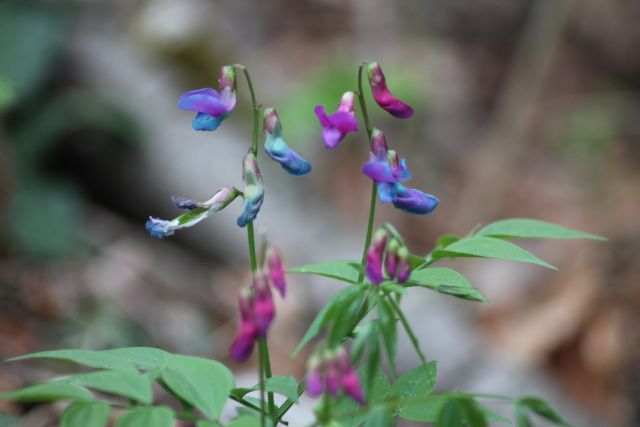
[(93, 359), (155, 416), (144, 358), (489, 247), (415, 383), (344, 270), (203, 383), (445, 281), (49, 392), (85, 414), (131, 385), (532, 229)]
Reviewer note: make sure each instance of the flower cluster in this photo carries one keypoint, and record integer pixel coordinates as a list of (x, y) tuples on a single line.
[(330, 371), (384, 167), (389, 251), (257, 308)]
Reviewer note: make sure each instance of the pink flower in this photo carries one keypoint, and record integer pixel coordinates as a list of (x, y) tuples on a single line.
[(375, 255), (337, 125), (264, 310), (383, 95), (276, 270)]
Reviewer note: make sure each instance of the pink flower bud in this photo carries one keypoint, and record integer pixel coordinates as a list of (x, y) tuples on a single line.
[(404, 266), (351, 386), (242, 346), (375, 255), (227, 78), (276, 270), (333, 379), (315, 386), (391, 260), (383, 95)]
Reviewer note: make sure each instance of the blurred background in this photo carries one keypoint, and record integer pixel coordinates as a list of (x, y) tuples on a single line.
[(525, 108)]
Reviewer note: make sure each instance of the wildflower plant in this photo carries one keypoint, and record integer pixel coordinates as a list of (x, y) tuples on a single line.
[(352, 368)]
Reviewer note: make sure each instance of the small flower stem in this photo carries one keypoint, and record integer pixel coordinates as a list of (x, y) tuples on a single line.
[(264, 363), (407, 327)]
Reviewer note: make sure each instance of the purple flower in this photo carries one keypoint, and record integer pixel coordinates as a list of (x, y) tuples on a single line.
[(330, 371), (276, 270), (337, 125), (276, 147), (315, 383), (253, 189), (264, 310), (375, 255), (384, 98), (211, 106), (414, 201), (385, 167), (197, 212)]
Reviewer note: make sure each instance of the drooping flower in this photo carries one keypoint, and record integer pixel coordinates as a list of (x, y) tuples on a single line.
[(276, 270), (276, 147), (391, 260), (337, 125), (383, 96), (414, 201), (264, 309), (375, 256), (253, 189), (242, 346), (385, 167), (211, 106), (197, 212)]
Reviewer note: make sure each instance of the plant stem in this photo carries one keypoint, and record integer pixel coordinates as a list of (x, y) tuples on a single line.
[(264, 363), (407, 327)]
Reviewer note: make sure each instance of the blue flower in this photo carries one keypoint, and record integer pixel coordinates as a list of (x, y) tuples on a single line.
[(277, 148), (211, 106), (198, 211)]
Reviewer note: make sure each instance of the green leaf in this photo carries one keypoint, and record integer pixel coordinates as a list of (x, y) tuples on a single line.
[(362, 334), (286, 386), (450, 414), (245, 421), (84, 414), (417, 382), (204, 423), (474, 416), (93, 359), (445, 281), (203, 383), (342, 319), (131, 385), (344, 270), (426, 410), (156, 416), (8, 421), (541, 408), (532, 229), (145, 358), (377, 391), (446, 240), (327, 313), (522, 420), (49, 392), (489, 247), (379, 417), (491, 416)]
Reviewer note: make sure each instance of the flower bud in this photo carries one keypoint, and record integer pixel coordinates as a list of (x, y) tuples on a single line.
[(264, 310), (227, 78), (391, 260), (351, 385), (404, 264), (383, 97), (378, 143), (315, 384), (336, 126), (253, 189), (276, 270), (242, 346), (276, 147), (375, 255)]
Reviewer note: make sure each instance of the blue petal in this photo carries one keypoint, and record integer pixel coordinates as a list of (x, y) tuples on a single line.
[(278, 150), (387, 192), (250, 209), (205, 122), (158, 228), (414, 201)]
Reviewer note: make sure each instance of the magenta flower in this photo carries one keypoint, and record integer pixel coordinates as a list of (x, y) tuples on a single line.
[(211, 106), (276, 270), (242, 346), (331, 372), (384, 98), (315, 383), (404, 265), (264, 309), (414, 201), (337, 125), (375, 256), (351, 386)]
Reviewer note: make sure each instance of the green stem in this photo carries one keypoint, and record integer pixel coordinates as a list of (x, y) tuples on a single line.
[(363, 105), (263, 414), (256, 109), (407, 327), (267, 373)]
